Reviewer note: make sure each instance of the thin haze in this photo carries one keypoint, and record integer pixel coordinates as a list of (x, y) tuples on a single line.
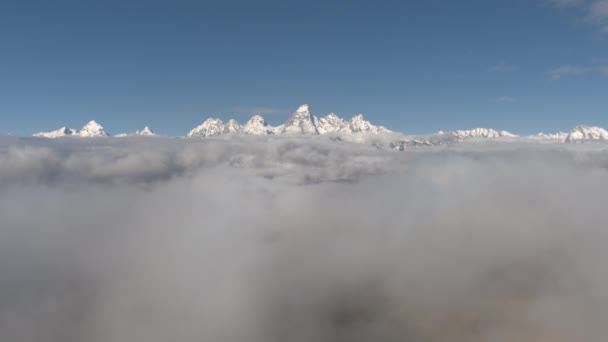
[(298, 239), (412, 66)]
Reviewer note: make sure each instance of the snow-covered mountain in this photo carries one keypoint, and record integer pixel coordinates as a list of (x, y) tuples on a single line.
[(209, 128), (91, 129), (358, 124), (62, 132), (302, 121), (460, 135), (357, 129), (560, 136), (583, 133), (457, 136), (330, 124), (232, 127), (145, 132), (256, 125)]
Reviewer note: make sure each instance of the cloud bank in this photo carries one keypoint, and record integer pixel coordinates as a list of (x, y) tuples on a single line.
[(300, 240)]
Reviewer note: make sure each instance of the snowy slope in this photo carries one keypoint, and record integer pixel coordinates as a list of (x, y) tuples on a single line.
[(357, 129), (256, 125), (145, 132), (209, 128), (301, 121), (586, 133), (62, 132), (92, 129)]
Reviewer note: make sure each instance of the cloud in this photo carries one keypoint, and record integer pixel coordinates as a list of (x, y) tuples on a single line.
[(571, 70), (565, 3), (505, 99), (598, 10), (594, 11), (276, 239), (504, 68)]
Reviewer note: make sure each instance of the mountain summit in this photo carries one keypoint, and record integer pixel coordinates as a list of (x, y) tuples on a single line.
[(301, 121), (92, 129)]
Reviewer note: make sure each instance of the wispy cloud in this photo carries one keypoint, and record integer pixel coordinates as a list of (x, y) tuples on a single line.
[(565, 3), (505, 99), (592, 11), (598, 10), (504, 67), (572, 70)]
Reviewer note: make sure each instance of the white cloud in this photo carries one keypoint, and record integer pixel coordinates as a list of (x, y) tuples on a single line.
[(568, 70), (594, 11), (504, 67), (268, 240), (565, 3), (571, 70), (598, 10)]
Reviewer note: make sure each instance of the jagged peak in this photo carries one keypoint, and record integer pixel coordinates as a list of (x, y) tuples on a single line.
[(301, 121), (61, 132), (146, 131), (209, 127), (92, 129), (358, 117), (212, 121), (232, 126), (305, 108), (482, 133), (332, 116), (256, 118), (584, 132), (92, 124)]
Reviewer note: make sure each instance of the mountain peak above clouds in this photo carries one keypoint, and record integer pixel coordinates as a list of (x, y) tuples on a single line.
[(482, 133), (146, 131), (358, 129), (256, 125), (581, 133), (209, 128), (92, 129), (61, 132), (301, 121)]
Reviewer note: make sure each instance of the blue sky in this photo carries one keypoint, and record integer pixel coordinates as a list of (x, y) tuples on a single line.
[(413, 66)]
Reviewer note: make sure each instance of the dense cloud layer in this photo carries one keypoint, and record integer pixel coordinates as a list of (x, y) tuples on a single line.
[(273, 239)]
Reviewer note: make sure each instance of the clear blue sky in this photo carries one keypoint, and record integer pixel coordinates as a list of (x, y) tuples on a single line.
[(413, 66)]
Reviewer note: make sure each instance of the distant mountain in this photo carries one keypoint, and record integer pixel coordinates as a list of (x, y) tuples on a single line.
[(586, 133), (560, 136), (357, 129), (481, 133), (145, 132), (62, 132), (91, 129), (301, 122), (257, 126), (212, 127)]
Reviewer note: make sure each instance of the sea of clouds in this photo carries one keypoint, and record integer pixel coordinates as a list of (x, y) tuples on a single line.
[(264, 239)]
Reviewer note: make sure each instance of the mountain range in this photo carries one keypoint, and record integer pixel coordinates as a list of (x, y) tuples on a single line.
[(303, 122)]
